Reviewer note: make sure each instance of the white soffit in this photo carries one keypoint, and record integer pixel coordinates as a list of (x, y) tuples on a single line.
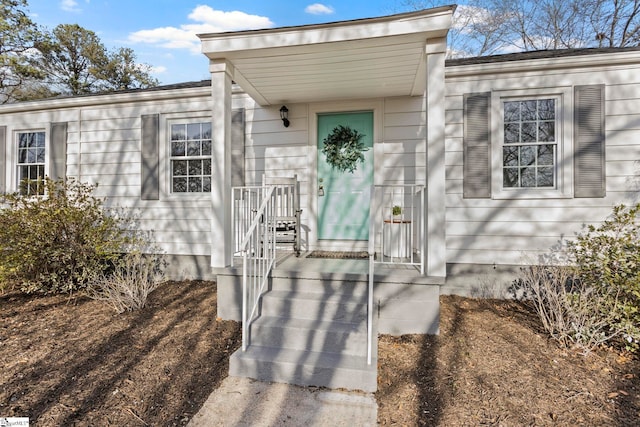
[(365, 58)]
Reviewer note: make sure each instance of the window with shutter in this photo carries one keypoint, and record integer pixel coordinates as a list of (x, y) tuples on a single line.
[(531, 147)]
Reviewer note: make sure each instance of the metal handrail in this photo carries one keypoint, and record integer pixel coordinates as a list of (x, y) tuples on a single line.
[(258, 249)]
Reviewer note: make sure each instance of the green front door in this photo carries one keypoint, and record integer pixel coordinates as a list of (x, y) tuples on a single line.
[(343, 196)]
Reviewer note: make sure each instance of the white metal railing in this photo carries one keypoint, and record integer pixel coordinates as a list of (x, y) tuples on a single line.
[(245, 204), (258, 250), (397, 224), (396, 231)]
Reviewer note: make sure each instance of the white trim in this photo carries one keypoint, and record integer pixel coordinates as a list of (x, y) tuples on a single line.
[(431, 23), (12, 153), (166, 120), (564, 144), (521, 66), (377, 107), (135, 97)]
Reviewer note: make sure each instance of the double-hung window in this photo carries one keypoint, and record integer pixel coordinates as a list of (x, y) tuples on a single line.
[(529, 145), (31, 162), (534, 143), (190, 157)]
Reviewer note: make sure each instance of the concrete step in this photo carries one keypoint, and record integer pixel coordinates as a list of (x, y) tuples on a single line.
[(314, 306), (306, 368), (312, 335), (327, 285)]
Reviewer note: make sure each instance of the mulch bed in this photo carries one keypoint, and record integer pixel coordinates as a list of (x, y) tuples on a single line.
[(491, 365), (76, 362)]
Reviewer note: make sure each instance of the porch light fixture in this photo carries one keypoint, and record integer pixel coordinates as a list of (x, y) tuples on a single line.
[(284, 115)]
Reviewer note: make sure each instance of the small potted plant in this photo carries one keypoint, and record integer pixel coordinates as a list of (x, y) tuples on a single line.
[(397, 234), (396, 211)]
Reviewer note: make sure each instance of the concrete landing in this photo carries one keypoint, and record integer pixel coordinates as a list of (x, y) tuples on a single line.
[(246, 402)]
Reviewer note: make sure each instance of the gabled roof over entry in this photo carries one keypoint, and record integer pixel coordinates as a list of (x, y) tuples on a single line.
[(362, 58)]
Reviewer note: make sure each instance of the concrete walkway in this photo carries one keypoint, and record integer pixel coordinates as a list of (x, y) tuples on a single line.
[(247, 402)]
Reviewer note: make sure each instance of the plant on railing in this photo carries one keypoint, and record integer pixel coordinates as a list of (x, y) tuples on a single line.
[(396, 210), (344, 148)]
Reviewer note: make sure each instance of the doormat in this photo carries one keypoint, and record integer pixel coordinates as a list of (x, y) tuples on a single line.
[(338, 255)]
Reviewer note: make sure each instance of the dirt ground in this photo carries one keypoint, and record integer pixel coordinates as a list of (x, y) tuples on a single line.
[(76, 362), (491, 365)]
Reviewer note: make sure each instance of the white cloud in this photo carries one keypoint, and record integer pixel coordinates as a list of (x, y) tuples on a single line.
[(70, 6), (158, 69), (319, 9), (205, 20)]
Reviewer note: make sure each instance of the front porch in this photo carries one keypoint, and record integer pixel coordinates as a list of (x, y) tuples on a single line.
[(315, 321)]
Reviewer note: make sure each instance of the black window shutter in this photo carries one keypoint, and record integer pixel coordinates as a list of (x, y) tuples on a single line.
[(237, 147), (589, 142), (58, 151), (477, 146), (3, 159), (150, 185)]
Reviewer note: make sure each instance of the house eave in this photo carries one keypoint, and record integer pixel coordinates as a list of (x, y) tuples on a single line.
[(367, 58), (216, 44), (614, 58), (109, 99)]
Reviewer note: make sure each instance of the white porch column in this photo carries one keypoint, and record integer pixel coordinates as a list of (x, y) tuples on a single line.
[(221, 81), (435, 239)]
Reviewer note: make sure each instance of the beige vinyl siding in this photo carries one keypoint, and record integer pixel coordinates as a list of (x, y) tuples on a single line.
[(509, 231), (403, 145), (273, 149)]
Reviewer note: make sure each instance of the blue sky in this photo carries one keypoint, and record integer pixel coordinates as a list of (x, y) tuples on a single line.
[(162, 32)]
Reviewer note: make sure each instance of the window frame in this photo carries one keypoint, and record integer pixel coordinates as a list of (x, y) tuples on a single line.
[(16, 156), (168, 166), (563, 164)]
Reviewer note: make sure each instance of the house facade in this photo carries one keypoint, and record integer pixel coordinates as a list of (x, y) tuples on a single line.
[(514, 153)]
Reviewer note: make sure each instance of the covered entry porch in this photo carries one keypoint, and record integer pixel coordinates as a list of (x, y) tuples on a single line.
[(315, 321), (344, 66)]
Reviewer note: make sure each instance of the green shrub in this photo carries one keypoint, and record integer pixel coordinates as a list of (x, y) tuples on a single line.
[(596, 299), (607, 260), (56, 242)]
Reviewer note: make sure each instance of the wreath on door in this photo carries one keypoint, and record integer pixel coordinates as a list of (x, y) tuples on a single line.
[(343, 148)]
